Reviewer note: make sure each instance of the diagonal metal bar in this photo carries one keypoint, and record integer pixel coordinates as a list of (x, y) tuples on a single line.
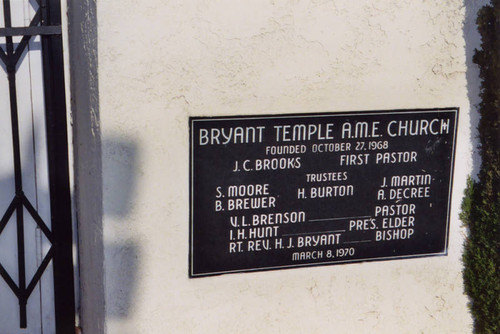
[(38, 220), (8, 213), (39, 272), (9, 281), (3, 56), (24, 41)]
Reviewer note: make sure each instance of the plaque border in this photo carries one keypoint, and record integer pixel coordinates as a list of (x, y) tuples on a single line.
[(193, 119)]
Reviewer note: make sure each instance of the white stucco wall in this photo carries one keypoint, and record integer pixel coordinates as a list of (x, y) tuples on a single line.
[(163, 61)]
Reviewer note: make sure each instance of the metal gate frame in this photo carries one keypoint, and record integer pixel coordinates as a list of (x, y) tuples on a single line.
[(47, 24)]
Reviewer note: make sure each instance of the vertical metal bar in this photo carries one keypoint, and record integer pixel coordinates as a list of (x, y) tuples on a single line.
[(57, 150), (21, 266), (7, 15), (11, 74), (11, 70)]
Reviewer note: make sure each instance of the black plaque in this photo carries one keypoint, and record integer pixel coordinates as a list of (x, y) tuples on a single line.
[(283, 191)]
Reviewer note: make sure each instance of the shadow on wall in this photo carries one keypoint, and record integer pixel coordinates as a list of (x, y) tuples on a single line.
[(120, 168), (472, 42), (122, 260), (108, 272)]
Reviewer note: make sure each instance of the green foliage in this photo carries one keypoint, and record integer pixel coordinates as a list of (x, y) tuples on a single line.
[(481, 205), (481, 258)]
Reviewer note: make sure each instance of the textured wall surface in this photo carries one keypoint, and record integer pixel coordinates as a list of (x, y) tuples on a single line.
[(163, 61)]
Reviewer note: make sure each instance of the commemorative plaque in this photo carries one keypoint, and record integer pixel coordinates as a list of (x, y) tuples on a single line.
[(284, 191)]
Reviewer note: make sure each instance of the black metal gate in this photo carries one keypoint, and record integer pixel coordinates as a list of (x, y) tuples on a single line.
[(45, 23)]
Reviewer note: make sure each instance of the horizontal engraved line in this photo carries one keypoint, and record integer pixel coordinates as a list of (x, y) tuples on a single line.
[(306, 233), (340, 218), (357, 242)]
